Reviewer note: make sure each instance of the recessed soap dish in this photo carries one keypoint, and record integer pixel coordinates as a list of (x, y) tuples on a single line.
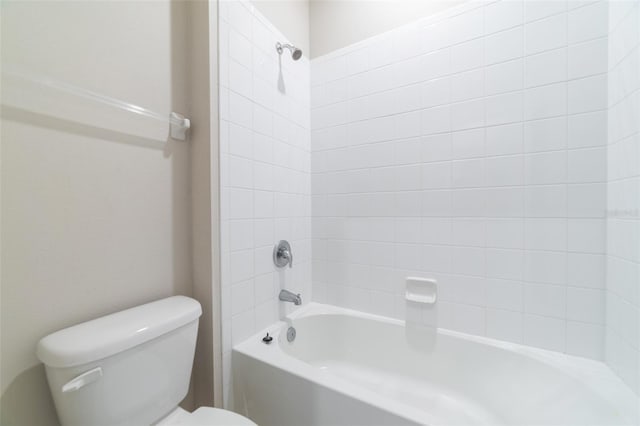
[(421, 290)]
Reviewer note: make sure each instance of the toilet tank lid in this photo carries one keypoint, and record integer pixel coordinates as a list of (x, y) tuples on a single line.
[(111, 334)]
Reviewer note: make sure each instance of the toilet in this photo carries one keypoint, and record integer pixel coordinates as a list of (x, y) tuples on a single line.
[(130, 368)]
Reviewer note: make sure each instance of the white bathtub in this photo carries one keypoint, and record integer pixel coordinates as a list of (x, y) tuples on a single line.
[(350, 368)]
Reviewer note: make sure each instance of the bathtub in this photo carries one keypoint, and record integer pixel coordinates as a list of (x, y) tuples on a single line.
[(350, 368)]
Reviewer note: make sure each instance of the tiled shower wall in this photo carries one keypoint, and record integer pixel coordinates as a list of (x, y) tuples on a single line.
[(469, 147), (264, 173), (623, 225)]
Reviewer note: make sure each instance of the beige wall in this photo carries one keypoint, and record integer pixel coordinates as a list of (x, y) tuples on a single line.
[(96, 204), (322, 26), (338, 23), (202, 38), (291, 17)]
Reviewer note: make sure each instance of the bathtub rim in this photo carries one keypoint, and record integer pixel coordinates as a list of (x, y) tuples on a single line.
[(595, 375)]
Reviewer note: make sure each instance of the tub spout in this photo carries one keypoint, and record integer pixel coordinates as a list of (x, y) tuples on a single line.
[(287, 296)]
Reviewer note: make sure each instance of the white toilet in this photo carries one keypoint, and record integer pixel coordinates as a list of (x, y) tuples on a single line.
[(129, 368)]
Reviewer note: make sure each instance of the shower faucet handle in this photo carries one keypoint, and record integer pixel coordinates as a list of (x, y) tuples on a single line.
[(282, 255)]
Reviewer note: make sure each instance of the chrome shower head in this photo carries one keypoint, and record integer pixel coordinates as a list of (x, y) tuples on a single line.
[(295, 52)]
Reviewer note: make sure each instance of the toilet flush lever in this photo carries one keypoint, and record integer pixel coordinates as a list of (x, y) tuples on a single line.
[(82, 380)]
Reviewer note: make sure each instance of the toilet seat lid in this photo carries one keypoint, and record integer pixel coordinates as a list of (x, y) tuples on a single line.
[(208, 416)]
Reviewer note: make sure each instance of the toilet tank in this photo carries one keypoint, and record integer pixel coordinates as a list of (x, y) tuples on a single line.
[(128, 368)]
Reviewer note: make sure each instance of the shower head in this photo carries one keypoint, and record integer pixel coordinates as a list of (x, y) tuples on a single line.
[(295, 52)]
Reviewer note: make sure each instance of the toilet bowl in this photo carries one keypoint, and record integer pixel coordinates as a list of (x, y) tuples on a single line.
[(129, 368), (205, 416)]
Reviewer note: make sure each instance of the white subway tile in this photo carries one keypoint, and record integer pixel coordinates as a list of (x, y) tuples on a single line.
[(263, 232), (407, 178), (407, 230), (505, 294), (505, 325), (586, 200), (587, 94), (240, 203), (408, 151), (468, 232), (587, 165), (467, 25), (546, 234), (585, 305), (588, 58), (545, 135), (501, 171), (545, 267), (241, 265), (436, 203), (588, 22), (504, 140), (587, 235), (262, 120), (467, 56), (240, 141), (436, 258), (545, 168), (240, 48), (467, 115), (468, 202), (586, 340), (504, 202), (546, 34), (240, 172), (546, 300), (242, 326), (436, 148), (436, 230), (435, 92), (505, 233), (503, 46), (242, 296), (545, 101), (436, 175), (586, 270), (504, 264), (469, 319), (240, 234), (502, 15), (240, 18), (545, 68), (406, 203), (545, 332), (408, 98), (463, 289), (436, 120), (467, 144), (467, 85), (240, 110), (503, 109), (435, 36), (538, 9), (263, 204), (357, 61), (546, 201), (468, 160), (266, 314), (408, 125), (437, 64), (504, 77), (382, 303), (380, 53), (468, 173), (587, 130)]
